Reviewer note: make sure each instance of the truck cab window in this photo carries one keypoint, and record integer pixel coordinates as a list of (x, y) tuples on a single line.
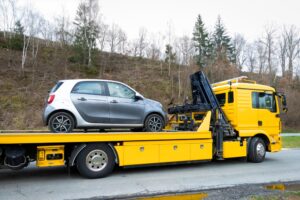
[(221, 98), (230, 97), (263, 100)]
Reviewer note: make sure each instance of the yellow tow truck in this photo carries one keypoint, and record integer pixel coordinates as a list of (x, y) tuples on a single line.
[(230, 119)]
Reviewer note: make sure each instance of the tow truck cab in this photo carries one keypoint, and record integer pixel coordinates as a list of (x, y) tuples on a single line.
[(252, 109)]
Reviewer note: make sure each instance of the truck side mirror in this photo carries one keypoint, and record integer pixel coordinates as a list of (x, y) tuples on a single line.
[(283, 102)]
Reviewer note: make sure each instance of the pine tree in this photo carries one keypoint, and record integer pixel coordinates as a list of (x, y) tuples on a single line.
[(18, 29), (17, 39), (170, 55), (201, 42), (222, 42), (86, 32)]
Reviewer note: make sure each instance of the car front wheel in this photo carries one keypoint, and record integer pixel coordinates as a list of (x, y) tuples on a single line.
[(154, 123)]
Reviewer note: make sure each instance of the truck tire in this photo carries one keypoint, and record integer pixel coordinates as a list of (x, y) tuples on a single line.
[(154, 123), (256, 150), (95, 161), (61, 122)]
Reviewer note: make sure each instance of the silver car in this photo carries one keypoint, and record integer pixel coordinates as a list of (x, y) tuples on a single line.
[(102, 104)]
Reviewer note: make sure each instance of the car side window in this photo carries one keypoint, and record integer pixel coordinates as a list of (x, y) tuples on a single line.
[(119, 90), (89, 87)]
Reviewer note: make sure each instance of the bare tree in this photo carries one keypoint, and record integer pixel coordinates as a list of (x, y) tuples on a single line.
[(261, 56), (185, 48), (170, 40), (239, 44), (282, 53), (63, 30), (103, 32), (154, 48), (250, 57), (142, 42), (185, 51), (269, 42), (133, 48), (47, 31), (32, 28), (293, 50), (113, 37), (7, 15), (122, 41)]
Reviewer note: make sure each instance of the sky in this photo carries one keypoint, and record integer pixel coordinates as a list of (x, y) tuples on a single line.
[(247, 17)]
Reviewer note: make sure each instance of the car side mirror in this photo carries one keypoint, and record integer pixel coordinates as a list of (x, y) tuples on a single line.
[(138, 97)]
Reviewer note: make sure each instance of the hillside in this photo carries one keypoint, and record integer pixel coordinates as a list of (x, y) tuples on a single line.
[(23, 93)]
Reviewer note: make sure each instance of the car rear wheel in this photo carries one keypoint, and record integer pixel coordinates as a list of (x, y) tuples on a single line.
[(154, 123), (61, 122)]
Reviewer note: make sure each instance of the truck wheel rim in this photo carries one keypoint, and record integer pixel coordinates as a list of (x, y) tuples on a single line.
[(155, 123), (96, 160), (260, 149), (61, 123)]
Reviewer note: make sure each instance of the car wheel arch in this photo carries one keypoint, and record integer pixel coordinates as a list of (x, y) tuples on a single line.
[(157, 113), (62, 110)]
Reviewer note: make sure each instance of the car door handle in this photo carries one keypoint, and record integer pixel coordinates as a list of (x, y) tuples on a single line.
[(260, 123), (114, 101), (82, 99)]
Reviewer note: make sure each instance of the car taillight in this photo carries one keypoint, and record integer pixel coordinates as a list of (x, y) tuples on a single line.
[(51, 98)]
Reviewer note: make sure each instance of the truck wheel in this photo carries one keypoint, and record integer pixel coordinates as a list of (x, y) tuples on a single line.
[(61, 122), (256, 150), (154, 123), (95, 161)]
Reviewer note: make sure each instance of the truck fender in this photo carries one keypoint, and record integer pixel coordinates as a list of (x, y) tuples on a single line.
[(79, 148), (115, 152), (75, 153)]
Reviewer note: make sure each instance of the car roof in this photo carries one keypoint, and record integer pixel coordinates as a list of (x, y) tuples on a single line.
[(77, 80)]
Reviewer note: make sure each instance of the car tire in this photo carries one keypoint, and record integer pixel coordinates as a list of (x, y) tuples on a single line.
[(95, 161), (154, 123), (256, 150), (61, 122)]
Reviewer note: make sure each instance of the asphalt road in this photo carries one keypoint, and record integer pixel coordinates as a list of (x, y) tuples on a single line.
[(54, 183)]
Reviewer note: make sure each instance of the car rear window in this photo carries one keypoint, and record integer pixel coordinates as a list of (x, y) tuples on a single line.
[(55, 88)]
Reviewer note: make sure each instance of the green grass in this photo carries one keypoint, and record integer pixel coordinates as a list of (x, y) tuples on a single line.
[(291, 142), (290, 130)]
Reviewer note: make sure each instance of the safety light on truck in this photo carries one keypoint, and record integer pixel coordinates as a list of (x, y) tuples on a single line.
[(51, 98)]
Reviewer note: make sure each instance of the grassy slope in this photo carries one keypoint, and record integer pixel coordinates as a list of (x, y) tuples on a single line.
[(23, 93), (291, 142)]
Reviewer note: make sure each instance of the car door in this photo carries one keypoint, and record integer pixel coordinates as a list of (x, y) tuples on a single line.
[(124, 109), (90, 100)]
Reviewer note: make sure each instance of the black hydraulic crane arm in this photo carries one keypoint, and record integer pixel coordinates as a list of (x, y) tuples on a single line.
[(204, 99)]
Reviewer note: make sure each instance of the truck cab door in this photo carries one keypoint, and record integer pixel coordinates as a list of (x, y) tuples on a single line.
[(267, 112)]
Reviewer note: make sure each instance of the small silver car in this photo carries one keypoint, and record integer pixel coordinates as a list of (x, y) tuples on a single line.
[(100, 104)]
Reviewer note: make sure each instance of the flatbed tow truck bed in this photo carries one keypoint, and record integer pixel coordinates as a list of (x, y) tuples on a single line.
[(44, 138)]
